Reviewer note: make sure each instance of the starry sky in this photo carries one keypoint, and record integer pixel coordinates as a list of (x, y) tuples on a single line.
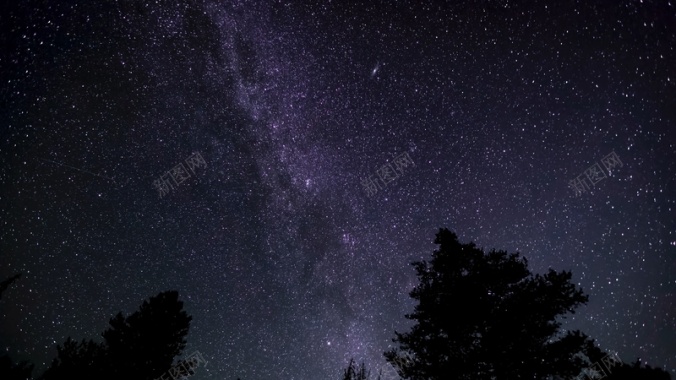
[(289, 264)]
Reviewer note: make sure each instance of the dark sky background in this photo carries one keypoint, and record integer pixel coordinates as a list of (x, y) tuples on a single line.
[(285, 262)]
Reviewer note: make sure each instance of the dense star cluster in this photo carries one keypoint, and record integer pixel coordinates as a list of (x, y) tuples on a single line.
[(290, 240)]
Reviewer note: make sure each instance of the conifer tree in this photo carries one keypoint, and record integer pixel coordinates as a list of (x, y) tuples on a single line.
[(486, 316)]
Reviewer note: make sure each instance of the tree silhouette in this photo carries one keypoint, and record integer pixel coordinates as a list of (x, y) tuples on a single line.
[(11, 371), (141, 346), (147, 341), (84, 360), (352, 372), (485, 316), (8, 369), (635, 371)]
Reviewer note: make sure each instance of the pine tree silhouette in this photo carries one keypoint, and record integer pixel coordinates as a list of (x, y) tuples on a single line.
[(8, 369), (636, 371), (141, 346), (11, 371), (485, 316), (352, 372)]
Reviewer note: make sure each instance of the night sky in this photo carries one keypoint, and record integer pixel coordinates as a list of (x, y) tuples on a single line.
[(287, 262)]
